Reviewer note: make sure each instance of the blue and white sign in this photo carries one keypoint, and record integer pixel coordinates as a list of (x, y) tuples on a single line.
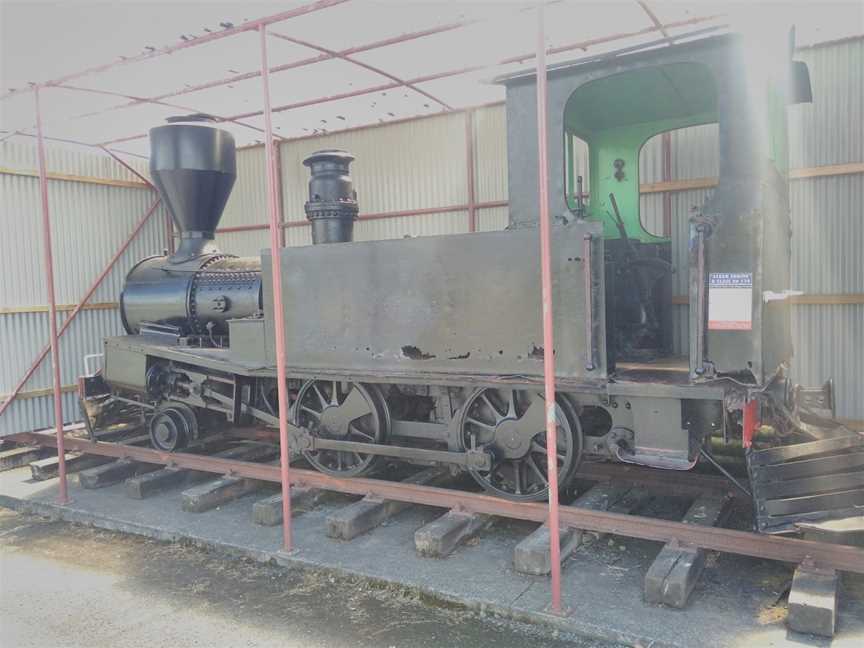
[(730, 301)]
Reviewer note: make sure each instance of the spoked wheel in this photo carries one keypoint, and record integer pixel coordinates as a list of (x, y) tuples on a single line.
[(345, 411), (511, 424), (172, 427)]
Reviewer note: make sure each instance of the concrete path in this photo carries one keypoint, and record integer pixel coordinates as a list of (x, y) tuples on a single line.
[(737, 602), (64, 585)]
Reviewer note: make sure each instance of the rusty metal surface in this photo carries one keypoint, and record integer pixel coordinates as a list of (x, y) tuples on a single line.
[(673, 483), (844, 558)]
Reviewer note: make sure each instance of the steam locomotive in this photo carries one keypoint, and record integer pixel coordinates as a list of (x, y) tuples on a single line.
[(429, 350)]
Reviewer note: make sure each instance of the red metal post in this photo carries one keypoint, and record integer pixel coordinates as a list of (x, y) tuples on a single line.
[(548, 333), (63, 496), (470, 178), (278, 313), (280, 200)]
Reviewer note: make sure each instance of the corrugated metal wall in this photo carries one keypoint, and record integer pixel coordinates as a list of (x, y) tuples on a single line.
[(422, 165), (827, 218), (828, 224), (89, 223)]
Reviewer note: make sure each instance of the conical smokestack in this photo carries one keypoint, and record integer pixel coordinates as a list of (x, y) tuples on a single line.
[(193, 166)]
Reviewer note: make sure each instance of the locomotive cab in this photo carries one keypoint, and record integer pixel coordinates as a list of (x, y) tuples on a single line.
[(607, 122), (734, 247)]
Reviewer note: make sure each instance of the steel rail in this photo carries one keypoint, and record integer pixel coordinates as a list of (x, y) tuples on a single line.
[(685, 482), (746, 543)]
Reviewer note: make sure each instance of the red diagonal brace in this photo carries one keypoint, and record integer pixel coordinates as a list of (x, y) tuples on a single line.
[(79, 306)]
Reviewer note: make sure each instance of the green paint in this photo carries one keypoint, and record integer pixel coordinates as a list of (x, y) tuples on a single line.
[(616, 115)]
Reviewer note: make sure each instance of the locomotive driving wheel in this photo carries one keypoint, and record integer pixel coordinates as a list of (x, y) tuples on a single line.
[(345, 411), (511, 425), (172, 427)]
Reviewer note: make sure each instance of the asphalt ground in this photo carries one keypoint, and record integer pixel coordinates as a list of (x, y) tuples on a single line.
[(66, 585)]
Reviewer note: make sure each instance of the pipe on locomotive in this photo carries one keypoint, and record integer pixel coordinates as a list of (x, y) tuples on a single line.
[(196, 290)]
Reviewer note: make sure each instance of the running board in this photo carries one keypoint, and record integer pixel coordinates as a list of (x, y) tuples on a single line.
[(808, 482)]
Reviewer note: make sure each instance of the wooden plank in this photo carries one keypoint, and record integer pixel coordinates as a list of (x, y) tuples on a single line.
[(813, 601), (675, 571), (68, 177), (12, 310), (678, 185), (826, 171), (838, 299), (439, 538), (39, 393), (44, 469), (356, 519), (16, 457)]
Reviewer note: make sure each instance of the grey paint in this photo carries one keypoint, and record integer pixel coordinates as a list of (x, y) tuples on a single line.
[(447, 304), (750, 206)]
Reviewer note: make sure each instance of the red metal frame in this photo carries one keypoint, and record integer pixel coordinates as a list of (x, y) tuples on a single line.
[(365, 66), (277, 227), (135, 101), (169, 222), (278, 312), (250, 25), (469, 165), (520, 58), (746, 543), (548, 331)]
